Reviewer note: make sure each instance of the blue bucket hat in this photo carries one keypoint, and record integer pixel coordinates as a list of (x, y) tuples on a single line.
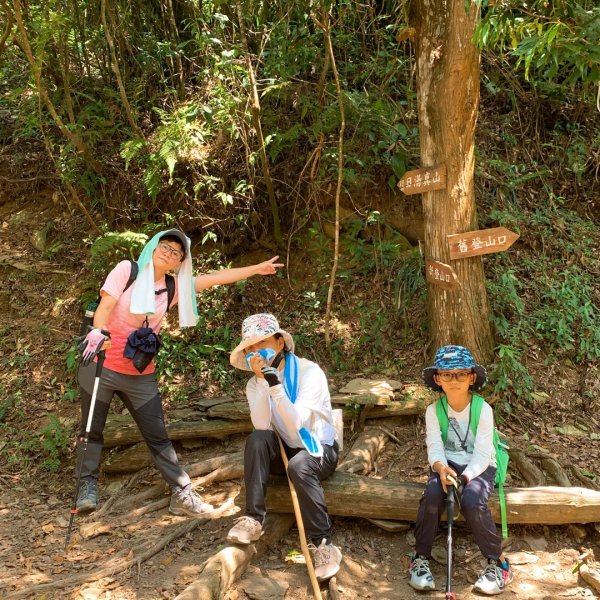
[(448, 358)]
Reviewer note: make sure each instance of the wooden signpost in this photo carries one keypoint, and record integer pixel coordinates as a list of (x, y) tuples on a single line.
[(423, 180), (484, 241), (441, 274)]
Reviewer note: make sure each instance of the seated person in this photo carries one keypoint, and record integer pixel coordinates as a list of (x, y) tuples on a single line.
[(288, 397), (469, 459)]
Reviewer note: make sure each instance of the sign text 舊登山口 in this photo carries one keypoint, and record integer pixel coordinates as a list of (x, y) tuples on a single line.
[(484, 241)]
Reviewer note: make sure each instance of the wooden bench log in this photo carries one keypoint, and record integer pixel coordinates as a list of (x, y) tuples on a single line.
[(127, 433), (355, 496)]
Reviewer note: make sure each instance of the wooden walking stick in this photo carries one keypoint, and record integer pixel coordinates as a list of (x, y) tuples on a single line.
[(300, 523)]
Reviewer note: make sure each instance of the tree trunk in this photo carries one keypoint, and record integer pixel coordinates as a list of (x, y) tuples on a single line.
[(448, 100), (355, 496)]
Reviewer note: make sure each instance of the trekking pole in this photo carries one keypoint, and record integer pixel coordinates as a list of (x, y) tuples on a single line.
[(300, 523), (88, 427), (450, 516)]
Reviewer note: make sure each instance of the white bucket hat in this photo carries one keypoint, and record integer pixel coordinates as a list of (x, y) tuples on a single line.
[(255, 329)]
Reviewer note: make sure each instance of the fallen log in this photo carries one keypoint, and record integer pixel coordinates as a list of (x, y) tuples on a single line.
[(355, 496), (232, 410), (226, 466), (364, 452), (128, 433), (222, 569), (129, 460)]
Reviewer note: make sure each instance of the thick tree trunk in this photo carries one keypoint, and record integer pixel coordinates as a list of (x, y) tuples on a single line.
[(356, 496), (448, 99)]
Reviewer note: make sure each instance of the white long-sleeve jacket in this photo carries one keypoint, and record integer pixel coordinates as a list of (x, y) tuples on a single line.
[(270, 408)]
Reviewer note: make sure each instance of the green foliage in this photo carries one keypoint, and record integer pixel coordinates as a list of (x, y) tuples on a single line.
[(201, 354), (547, 299), (21, 448), (181, 135), (555, 41)]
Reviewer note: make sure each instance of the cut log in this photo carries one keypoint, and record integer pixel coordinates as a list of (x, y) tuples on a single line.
[(364, 452), (129, 460), (205, 403), (355, 496), (412, 400), (391, 526), (219, 464), (222, 569), (361, 399), (232, 410), (379, 387), (128, 433)]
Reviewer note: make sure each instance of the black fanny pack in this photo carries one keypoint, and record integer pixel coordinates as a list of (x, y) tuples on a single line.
[(142, 345)]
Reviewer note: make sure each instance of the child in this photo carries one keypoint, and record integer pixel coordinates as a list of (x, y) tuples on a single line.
[(289, 397), (468, 459)]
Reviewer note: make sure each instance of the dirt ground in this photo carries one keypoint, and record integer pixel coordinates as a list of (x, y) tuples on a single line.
[(34, 510), (374, 565)]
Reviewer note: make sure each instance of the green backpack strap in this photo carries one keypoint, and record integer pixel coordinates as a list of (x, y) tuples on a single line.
[(501, 460), (441, 410)]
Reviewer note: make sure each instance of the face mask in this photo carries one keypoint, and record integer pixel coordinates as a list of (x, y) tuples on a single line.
[(267, 353)]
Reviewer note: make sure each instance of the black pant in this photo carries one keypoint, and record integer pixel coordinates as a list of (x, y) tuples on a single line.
[(474, 507), (141, 397), (262, 457)]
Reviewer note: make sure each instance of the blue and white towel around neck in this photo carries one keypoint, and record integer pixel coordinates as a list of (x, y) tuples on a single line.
[(143, 299)]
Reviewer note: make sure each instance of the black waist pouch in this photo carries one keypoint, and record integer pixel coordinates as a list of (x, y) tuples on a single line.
[(142, 345)]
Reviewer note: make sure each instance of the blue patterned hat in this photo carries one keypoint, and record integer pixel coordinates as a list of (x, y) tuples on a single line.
[(448, 358)]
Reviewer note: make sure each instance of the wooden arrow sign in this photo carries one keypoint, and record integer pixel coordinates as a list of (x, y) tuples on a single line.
[(441, 274), (423, 180), (484, 241)]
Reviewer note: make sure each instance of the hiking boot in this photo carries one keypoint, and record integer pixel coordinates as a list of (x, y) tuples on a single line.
[(245, 531), (494, 579), (87, 497), (420, 574), (185, 501), (327, 559)]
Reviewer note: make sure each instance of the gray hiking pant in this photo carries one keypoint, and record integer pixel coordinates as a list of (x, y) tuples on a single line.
[(262, 457), (474, 508), (140, 395)]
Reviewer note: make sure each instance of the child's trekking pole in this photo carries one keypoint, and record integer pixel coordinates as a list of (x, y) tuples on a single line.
[(300, 523), (88, 427), (450, 516)]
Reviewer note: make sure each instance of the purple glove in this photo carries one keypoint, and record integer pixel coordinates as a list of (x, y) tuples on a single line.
[(92, 344)]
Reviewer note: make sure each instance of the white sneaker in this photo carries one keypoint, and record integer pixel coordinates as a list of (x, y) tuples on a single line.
[(327, 559), (494, 579), (245, 531), (186, 502), (420, 574)]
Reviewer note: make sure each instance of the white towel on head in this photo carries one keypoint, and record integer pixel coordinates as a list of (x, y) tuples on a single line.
[(143, 299)]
